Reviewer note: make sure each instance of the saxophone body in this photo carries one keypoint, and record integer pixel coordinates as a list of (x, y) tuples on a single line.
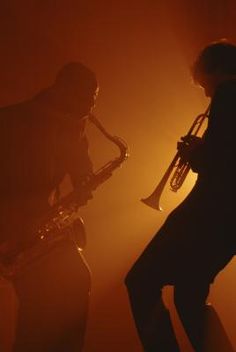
[(64, 214), (62, 222)]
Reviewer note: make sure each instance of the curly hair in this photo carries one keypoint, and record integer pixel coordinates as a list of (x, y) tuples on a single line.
[(216, 58)]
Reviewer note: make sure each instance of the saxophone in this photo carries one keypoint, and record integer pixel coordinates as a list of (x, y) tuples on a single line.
[(65, 212), (62, 221), (106, 171)]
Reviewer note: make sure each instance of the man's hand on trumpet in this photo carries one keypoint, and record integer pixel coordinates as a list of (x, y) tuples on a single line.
[(187, 146)]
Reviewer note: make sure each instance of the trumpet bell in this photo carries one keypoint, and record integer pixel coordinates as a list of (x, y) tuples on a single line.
[(181, 168), (152, 202)]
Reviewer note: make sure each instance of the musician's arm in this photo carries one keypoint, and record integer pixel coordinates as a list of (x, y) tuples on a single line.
[(80, 168), (216, 146)]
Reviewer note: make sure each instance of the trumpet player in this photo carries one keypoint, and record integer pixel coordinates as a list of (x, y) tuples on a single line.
[(196, 241)]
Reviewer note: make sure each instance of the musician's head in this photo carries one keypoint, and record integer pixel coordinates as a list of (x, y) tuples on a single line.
[(76, 88), (215, 64)]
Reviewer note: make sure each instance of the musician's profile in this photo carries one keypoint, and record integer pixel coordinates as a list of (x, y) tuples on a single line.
[(43, 140), (196, 241)]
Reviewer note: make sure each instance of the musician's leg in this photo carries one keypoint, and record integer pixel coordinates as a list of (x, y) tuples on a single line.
[(72, 337), (216, 335), (190, 301), (54, 296), (191, 295), (144, 283)]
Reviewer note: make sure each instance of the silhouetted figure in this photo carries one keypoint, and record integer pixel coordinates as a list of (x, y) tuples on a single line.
[(43, 141), (197, 239)]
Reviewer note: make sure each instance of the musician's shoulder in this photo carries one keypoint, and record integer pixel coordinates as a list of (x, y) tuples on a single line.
[(227, 87), (225, 96), (13, 112)]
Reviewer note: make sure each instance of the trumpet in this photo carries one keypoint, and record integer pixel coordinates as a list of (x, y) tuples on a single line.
[(178, 168)]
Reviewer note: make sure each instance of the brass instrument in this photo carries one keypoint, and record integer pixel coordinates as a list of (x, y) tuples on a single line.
[(62, 221), (178, 168), (106, 171), (64, 212)]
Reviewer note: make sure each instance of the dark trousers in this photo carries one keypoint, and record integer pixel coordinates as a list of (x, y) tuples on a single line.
[(171, 259), (53, 298)]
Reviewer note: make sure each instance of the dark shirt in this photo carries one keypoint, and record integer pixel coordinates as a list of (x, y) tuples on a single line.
[(213, 160), (38, 147), (208, 210)]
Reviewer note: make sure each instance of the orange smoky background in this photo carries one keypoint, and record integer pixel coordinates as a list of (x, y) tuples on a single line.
[(141, 52)]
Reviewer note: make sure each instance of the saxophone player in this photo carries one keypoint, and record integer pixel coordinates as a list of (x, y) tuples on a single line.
[(196, 241), (42, 140)]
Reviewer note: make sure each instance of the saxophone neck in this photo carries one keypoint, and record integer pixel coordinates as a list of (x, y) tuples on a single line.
[(122, 145)]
